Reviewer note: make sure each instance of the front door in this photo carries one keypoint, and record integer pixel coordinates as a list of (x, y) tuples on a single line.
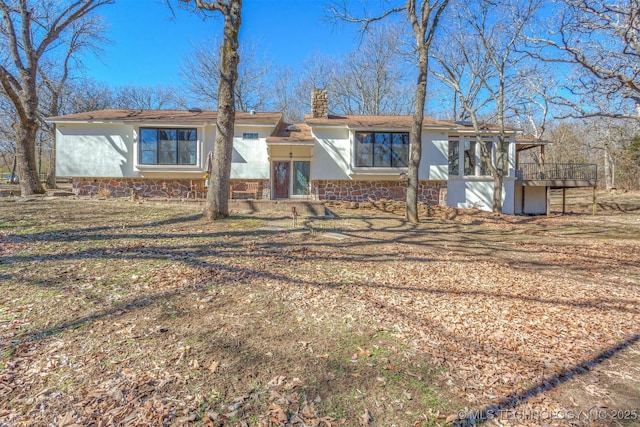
[(281, 176)]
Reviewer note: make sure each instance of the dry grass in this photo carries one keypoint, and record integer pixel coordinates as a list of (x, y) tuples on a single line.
[(119, 312)]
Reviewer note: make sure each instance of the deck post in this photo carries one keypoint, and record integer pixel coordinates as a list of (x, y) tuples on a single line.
[(548, 190), (564, 199), (522, 201), (595, 205)]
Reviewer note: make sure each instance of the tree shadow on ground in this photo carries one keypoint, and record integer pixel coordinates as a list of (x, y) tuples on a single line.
[(506, 406)]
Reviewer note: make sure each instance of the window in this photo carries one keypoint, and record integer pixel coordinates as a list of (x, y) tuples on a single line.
[(382, 149), (477, 160), (469, 158), (248, 135), (454, 156), (485, 158), (165, 146)]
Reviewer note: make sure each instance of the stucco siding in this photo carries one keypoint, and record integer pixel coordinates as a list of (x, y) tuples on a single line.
[(94, 150), (434, 162), (508, 199), (331, 155), (479, 194), (249, 159)]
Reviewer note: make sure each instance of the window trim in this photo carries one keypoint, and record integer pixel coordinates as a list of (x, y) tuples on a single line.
[(477, 159), (372, 135), (177, 163)]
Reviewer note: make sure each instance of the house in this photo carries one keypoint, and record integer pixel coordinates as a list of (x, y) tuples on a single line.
[(326, 157)]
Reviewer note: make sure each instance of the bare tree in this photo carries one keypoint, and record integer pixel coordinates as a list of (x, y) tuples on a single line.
[(217, 205), (603, 39), (283, 97), (373, 78), (202, 72), (30, 30), (147, 98), (87, 95), (423, 17), (486, 70), (84, 34), (7, 136), (316, 73)]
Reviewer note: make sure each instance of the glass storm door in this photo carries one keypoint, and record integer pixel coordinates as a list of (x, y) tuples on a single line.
[(301, 175), (281, 174)]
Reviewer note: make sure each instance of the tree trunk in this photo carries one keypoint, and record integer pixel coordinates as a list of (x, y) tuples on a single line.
[(608, 169), (50, 182), (217, 205), (12, 178), (26, 134), (51, 173), (415, 152), (501, 167)]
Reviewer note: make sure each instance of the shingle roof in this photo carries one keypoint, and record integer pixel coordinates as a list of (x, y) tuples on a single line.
[(165, 116), (291, 132), (390, 122)]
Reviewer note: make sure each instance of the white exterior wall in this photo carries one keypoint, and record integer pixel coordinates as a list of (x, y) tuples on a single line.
[(112, 151), (508, 196), (434, 163), (478, 193), (250, 159), (94, 150), (331, 154)]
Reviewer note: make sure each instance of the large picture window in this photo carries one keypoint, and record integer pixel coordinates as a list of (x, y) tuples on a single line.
[(382, 149), (165, 146)]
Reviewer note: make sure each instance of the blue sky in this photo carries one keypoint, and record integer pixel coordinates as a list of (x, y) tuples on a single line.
[(148, 45)]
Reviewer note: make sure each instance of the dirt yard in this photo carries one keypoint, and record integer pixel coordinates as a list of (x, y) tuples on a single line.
[(115, 312)]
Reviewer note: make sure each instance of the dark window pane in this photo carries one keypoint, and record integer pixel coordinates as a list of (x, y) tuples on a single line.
[(187, 135), (454, 157), (382, 150), (469, 158), (149, 158), (187, 152), (148, 146), (148, 136), (400, 150), (364, 149), (167, 158), (485, 158)]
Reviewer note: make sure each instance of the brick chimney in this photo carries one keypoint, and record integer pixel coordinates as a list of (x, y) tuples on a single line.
[(319, 107)]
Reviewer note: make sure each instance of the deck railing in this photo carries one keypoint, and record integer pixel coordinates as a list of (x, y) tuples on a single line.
[(557, 171)]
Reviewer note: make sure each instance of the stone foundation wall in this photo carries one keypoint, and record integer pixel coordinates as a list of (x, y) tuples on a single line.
[(354, 191), (362, 191), (124, 187), (145, 187)]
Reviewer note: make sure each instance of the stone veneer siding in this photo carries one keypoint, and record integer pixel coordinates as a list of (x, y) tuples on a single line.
[(145, 187), (355, 191), (123, 187), (362, 191)]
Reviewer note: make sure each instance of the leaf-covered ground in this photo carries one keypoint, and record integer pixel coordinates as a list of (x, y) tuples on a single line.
[(119, 313)]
